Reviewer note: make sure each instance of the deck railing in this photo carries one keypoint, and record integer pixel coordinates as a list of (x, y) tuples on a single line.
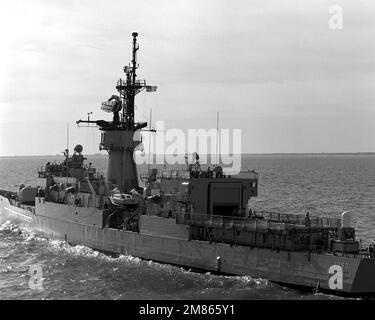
[(300, 219), (185, 174), (261, 221)]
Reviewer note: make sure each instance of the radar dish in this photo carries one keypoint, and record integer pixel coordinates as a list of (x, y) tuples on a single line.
[(78, 148), (109, 106)]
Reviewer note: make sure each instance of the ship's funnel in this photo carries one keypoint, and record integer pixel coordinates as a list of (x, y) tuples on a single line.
[(346, 219)]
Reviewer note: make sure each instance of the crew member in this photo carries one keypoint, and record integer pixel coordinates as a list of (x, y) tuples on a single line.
[(371, 250), (209, 172), (251, 213), (307, 220)]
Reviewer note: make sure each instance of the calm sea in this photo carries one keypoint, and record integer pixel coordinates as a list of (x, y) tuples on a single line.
[(321, 184)]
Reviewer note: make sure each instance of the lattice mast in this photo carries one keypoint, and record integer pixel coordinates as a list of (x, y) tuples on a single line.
[(118, 136)]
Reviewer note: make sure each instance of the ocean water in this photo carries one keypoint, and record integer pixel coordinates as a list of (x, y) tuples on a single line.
[(321, 184)]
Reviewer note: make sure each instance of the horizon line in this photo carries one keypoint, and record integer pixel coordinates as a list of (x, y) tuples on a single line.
[(242, 154)]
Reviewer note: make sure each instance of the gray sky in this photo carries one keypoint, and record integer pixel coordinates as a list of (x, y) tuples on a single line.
[(271, 68)]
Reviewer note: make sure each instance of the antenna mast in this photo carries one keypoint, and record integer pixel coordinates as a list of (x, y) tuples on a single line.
[(67, 153), (67, 136), (118, 135), (149, 143), (217, 139)]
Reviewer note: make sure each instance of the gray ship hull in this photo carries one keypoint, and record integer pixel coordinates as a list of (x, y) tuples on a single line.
[(163, 240)]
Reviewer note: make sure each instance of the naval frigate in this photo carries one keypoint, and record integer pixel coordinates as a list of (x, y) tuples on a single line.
[(194, 218)]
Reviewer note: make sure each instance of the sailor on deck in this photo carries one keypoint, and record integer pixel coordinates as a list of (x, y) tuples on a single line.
[(307, 220), (371, 250)]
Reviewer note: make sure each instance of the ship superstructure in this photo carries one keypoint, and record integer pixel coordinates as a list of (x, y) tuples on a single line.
[(196, 218), (118, 137)]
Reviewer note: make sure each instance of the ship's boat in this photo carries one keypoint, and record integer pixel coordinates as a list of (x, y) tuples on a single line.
[(196, 217), (123, 199)]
